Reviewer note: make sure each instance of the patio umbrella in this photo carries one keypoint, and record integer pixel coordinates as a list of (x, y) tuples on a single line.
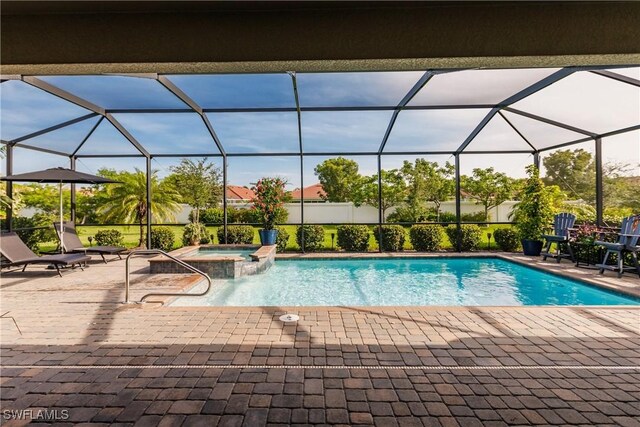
[(59, 176)]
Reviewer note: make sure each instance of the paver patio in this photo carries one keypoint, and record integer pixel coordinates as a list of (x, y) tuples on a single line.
[(79, 349)]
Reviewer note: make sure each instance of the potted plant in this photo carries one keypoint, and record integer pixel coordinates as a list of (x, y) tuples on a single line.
[(533, 213), (268, 202)]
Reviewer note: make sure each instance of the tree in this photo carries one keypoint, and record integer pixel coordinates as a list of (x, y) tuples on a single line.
[(198, 184), (127, 202), (573, 171), (488, 188), (339, 178), (428, 182), (393, 190), (620, 187), (534, 212)]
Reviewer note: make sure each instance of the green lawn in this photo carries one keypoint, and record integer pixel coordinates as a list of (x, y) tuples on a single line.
[(131, 234)]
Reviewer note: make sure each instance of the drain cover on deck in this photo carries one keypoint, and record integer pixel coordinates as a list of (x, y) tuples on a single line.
[(289, 318)]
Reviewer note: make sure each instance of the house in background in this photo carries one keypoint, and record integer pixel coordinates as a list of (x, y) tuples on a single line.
[(311, 194), (237, 195)]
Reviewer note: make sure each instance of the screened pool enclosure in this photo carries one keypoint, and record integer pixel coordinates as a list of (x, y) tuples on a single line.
[(254, 125)]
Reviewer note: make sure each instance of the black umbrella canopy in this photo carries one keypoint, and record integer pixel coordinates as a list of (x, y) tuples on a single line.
[(57, 176)]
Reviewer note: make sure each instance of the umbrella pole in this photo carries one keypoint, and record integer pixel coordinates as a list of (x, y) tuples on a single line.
[(61, 223)]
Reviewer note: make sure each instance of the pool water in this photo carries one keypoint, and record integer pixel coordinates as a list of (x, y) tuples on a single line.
[(204, 252), (404, 282)]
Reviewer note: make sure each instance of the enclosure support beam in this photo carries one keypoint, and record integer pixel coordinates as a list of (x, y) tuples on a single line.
[(458, 226), (529, 90), (149, 201), (72, 165), (53, 128), (618, 77), (84, 140), (224, 197), (536, 160), (9, 186), (380, 217), (294, 81), (67, 96), (402, 104), (602, 135), (599, 186), (551, 122)]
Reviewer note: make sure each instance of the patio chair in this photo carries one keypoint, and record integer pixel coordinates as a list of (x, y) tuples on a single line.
[(72, 243), (628, 240), (562, 224), (17, 253)]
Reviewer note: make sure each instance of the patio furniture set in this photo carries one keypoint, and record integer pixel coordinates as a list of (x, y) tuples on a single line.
[(74, 253), (599, 247)]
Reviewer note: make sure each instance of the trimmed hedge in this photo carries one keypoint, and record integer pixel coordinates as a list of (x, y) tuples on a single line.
[(426, 238), (353, 238), (162, 238), (392, 238), (506, 239), (313, 237), (471, 236), (209, 216), (282, 240), (194, 230), (109, 237), (236, 234), (473, 217)]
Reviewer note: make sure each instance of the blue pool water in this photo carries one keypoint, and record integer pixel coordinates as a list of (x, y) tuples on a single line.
[(402, 282), (204, 252)]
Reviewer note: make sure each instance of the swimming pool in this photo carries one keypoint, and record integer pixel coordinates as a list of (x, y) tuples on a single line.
[(404, 282)]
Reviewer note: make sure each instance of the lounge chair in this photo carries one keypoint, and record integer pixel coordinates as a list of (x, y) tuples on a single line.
[(562, 224), (17, 253), (72, 243), (628, 239)]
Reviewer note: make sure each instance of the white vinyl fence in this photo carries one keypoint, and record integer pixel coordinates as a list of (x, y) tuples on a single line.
[(346, 213)]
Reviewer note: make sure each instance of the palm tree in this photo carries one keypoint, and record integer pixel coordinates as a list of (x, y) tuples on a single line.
[(127, 202)]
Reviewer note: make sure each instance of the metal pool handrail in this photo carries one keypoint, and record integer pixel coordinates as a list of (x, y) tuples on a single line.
[(162, 294)]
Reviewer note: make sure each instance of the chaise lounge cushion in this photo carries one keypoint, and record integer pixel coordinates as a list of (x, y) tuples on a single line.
[(17, 253)]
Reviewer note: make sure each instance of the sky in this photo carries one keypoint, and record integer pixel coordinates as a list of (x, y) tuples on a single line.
[(584, 100)]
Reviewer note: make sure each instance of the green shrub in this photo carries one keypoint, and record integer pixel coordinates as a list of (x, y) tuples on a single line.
[(470, 236), (447, 217), (426, 238), (613, 216), (193, 233), (162, 238), (210, 216), (409, 214), (283, 239), (472, 217), (353, 238), (236, 235), (506, 239), (313, 237), (109, 238), (392, 238)]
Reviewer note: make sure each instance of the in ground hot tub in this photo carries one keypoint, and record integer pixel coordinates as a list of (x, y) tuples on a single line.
[(218, 261)]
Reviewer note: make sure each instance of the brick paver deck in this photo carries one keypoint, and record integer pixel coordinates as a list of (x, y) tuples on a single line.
[(79, 350)]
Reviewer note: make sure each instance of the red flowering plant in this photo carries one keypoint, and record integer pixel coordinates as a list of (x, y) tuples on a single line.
[(588, 233), (269, 199), (585, 233)]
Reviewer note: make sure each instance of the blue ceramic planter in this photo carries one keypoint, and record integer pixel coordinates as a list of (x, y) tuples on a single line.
[(268, 237)]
